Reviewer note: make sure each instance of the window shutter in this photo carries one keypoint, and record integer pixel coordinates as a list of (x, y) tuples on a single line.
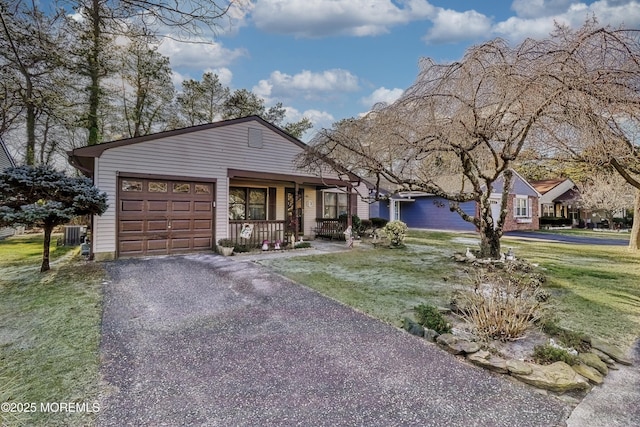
[(272, 204), (353, 201), (319, 203)]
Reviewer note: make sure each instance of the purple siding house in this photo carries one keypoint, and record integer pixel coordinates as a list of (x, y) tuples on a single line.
[(425, 210)]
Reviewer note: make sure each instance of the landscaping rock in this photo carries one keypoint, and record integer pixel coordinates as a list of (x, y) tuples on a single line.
[(413, 328), (449, 342), (558, 377), (455, 345), (430, 335), (592, 360), (610, 350), (519, 367), (589, 373), (486, 360), (605, 358)]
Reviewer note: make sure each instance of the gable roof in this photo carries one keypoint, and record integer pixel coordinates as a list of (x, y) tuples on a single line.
[(6, 160), (98, 149), (546, 185), (80, 158)]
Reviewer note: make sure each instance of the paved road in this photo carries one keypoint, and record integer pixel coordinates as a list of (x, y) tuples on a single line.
[(207, 340), (578, 240)]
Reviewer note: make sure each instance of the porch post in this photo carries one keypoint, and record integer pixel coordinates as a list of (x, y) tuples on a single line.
[(296, 189), (349, 209)]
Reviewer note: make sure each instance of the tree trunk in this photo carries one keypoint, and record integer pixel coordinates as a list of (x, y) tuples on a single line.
[(634, 241), (45, 251), (489, 242), (94, 67), (490, 228)]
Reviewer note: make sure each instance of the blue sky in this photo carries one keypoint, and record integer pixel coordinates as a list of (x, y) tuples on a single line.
[(332, 59)]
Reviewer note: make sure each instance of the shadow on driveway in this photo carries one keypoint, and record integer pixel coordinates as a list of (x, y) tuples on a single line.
[(208, 340)]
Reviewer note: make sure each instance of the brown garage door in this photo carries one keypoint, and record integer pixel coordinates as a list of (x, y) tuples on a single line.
[(160, 216)]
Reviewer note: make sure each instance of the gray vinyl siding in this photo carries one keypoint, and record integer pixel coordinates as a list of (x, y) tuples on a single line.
[(196, 155)]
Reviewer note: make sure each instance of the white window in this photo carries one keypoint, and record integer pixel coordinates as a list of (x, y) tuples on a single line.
[(521, 207), (335, 204)]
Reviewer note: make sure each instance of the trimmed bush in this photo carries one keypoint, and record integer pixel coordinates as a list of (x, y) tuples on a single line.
[(396, 231), (553, 221), (378, 222), (430, 317)]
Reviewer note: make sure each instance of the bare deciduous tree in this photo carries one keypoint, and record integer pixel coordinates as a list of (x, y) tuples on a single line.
[(147, 90), (30, 60), (468, 122), (454, 133), (101, 20), (597, 119), (606, 192)]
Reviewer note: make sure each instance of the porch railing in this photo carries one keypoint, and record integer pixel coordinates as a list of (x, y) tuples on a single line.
[(330, 228), (262, 230)]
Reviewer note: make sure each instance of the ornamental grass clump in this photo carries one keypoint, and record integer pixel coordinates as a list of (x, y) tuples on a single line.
[(500, 308), (395, 231)]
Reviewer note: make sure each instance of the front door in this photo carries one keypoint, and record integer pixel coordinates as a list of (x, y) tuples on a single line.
[(295, 209)]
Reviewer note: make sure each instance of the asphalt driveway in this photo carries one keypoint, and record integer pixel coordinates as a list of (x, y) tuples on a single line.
[(208, 340), (621, 240)]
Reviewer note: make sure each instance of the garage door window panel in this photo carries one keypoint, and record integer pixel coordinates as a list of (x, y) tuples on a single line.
[(181, 187), (203, 189), (158, 187), (131, 185)]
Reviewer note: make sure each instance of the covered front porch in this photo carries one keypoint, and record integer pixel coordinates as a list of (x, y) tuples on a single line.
[(278, 209)]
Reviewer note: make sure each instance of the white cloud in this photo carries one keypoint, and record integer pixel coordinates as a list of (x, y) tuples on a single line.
[(534, 18), (382, 94), (320, 120), (319, 18), (539, 8), (533, 21), (224, 74), (306, 84), (450, 26), (199, 54)]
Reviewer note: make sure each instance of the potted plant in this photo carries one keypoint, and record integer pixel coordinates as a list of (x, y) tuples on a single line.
[(225, 247)]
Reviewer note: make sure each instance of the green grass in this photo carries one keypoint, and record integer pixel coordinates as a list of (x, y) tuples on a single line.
[(381, 282), (595, 289), (49, 331)]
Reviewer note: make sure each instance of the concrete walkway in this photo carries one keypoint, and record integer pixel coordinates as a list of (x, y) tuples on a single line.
[(214, 341), (616, 403)]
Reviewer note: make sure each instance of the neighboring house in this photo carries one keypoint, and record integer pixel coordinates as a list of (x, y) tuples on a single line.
[(424, 210), (6, 161), (559, 199), (183, 190)]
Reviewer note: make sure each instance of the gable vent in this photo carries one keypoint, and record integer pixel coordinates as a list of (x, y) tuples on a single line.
[(255, 138)]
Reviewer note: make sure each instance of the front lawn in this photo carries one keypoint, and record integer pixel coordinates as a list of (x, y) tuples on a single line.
[(49, 334), (594, 288)]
